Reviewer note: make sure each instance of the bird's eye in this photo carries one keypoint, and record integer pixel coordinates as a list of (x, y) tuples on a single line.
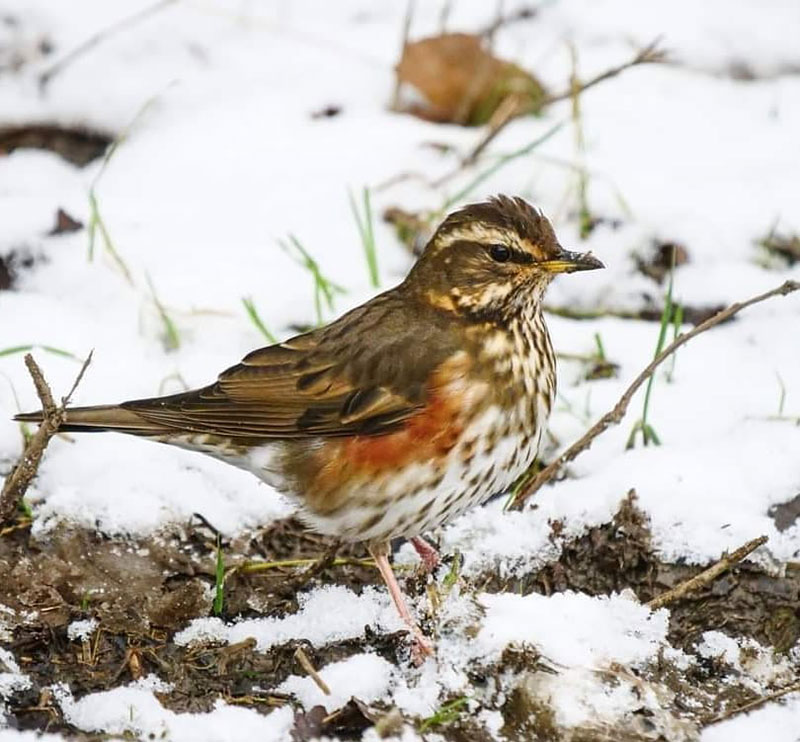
[(500, 253)]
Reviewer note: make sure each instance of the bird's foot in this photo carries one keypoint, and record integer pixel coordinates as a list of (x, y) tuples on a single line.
[(420, 648), (428, 555)]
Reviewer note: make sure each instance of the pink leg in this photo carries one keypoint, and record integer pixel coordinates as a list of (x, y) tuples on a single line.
[(380, 553), (427, 554)]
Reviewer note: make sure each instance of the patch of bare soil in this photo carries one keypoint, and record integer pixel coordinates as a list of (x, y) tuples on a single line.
[(76, 145), (141, 591), (619, 555)]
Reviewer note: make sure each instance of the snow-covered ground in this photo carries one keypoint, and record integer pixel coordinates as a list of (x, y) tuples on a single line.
[(222, 159)]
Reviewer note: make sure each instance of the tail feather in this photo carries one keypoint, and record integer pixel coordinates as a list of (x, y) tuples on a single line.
[(97, 419)]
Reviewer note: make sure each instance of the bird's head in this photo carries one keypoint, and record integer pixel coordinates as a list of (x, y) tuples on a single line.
[(490, 259)]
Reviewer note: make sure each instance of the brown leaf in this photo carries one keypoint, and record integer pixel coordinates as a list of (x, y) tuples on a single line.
[(662, 256), (65, 223), (463, 83)]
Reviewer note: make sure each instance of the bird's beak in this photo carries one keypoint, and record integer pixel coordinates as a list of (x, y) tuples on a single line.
[(569, 262)]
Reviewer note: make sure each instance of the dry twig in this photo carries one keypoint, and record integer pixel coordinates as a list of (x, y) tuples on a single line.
[(649, 55), (745, 708), (530, 483), (320, 565), (18, 481), (707, 576), (395, 105), (305, 663)]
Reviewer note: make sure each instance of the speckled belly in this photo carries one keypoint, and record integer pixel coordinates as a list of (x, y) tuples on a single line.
[(491, 453)]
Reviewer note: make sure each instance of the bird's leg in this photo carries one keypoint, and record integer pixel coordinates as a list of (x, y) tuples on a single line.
[(380, 553), (427, 554)]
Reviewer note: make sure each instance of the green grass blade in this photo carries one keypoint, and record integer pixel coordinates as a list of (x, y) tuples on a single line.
[(446, 714), (172, 338), (323, 287), (99, 225), (219, 581), (782, 397), (601, 351), (255, 318), (367, 234), (502, 161), (667, 316)]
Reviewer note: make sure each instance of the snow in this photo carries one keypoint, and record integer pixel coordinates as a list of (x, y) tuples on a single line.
[(572, 629), (11, 680), (222, 159), (327, 614), (365, 676), (133, 710), (777, 722), (81, 629), (759, 666)]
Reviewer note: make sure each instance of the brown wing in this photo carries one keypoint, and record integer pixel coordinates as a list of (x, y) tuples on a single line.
[(363, 374)]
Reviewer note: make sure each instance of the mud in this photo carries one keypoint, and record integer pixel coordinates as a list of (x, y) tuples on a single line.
[(141, 591)]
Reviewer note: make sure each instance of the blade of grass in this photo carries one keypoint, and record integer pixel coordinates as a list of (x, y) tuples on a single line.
[(677, 322), (96, 223), (601, 351), (504, 160), (782, 398), (445, 714), (249, 567), (171, 338), (255, 318), (323, 287), (219, 580), (366, 231), (648, 433)]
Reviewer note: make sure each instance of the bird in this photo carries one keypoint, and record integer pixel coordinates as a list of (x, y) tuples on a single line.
[(405, 412)]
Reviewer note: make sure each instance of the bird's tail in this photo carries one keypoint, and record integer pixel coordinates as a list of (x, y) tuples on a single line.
[(97, 419)]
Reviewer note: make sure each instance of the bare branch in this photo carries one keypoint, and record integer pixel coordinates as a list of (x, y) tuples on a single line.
[(305, 663), (793, 688), (707, 576), (21, 476), (650, 54), (530, 483)]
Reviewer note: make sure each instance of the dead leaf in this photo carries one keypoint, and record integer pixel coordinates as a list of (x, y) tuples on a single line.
[(663, 256), (463, 83), (65, 224)]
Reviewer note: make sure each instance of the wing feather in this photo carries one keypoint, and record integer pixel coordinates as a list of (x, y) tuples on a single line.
[(362, 375)]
